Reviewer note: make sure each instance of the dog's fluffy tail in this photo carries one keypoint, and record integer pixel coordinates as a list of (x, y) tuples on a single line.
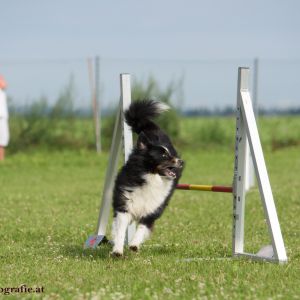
[(139, 114)]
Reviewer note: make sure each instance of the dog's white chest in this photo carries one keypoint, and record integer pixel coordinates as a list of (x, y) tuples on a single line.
[(146, 199)]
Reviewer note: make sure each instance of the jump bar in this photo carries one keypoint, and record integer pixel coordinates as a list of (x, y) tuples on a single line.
[(208, 188)]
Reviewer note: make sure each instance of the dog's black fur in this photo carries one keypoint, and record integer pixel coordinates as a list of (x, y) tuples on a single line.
[(153, 153)]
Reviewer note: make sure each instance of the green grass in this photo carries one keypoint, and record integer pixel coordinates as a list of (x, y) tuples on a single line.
[(49, 206)]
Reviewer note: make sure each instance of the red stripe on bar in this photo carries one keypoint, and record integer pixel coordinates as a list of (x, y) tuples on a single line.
[(222, 189), (183, 186)]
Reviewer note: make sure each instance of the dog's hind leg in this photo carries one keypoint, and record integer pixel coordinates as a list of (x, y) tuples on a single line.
[(120, 224), (142, 233)]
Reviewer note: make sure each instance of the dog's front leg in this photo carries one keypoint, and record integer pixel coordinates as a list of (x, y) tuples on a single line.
[(120, 224)]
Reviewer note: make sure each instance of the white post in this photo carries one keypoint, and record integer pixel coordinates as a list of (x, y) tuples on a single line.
[(97, 105), (241, 154), (127, 133)]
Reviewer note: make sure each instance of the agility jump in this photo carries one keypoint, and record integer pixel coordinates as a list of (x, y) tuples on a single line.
[(246, 135)]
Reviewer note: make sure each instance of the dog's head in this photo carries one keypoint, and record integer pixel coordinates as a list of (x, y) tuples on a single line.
[(161, 156)]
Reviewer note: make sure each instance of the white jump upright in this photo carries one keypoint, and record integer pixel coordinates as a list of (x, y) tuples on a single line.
[(122, 136), (246, 131)]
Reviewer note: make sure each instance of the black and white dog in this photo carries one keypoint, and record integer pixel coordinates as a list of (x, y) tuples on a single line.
[(147, 181)]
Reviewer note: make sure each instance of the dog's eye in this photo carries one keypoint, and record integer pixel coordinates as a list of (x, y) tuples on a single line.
[(165, 155)]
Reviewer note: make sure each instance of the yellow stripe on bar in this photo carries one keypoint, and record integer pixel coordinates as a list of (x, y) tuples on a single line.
[(201, 187)]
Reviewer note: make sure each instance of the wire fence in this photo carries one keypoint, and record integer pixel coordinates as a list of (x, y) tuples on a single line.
[(209, 84)]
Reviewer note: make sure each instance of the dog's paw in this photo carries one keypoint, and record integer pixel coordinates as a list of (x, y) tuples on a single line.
[(134, 248), (116, 254)]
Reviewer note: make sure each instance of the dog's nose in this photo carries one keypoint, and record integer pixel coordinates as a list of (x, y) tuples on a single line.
[(180, 163)]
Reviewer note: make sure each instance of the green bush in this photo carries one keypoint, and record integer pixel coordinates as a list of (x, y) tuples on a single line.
[(48, 127), (169, 121), (214, 133), (208, 132)]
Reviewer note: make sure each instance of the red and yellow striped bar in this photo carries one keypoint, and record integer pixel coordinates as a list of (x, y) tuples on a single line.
[(208, 188)]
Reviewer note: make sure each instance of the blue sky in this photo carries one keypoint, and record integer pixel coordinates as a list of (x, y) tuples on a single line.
[(185, 32)]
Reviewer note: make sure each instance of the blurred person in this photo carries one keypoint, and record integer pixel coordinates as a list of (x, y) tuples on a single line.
[(4, 131)]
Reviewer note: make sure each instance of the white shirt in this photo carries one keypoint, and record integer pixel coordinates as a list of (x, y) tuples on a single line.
[(3, 105)]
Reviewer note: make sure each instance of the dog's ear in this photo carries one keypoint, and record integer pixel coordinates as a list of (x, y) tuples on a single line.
[(143, 141)]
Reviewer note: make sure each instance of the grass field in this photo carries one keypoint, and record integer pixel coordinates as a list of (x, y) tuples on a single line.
[(49, 206)]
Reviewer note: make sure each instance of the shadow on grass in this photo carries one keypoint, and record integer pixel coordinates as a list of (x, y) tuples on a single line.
[(103, 252), (77, 251), (158, 250)]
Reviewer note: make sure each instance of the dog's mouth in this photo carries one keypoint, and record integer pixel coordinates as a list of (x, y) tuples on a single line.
[(169, 172), (170, 169)]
